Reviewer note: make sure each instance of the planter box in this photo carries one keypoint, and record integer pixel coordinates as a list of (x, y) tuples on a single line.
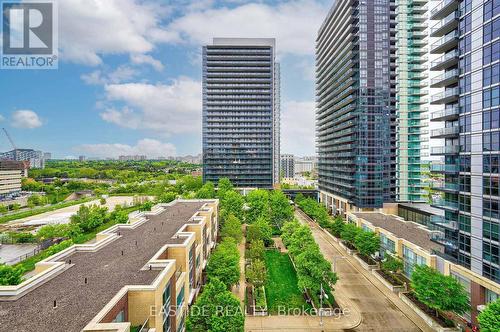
[(395, 289), (349, 251), (428, 319), (364, 264)]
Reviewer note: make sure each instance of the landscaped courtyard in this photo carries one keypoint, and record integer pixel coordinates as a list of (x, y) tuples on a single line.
[(281, 286)]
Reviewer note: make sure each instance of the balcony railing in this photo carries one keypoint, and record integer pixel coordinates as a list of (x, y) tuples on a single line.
[(444, 26), (445, 132), (448, 113), (442, 168), (445, 43), (444, 9), (446, 96), (445, 78), (446, 204), (445, 150), (445, 61)]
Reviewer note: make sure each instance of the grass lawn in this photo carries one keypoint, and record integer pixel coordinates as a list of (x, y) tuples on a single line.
[(281, 286)]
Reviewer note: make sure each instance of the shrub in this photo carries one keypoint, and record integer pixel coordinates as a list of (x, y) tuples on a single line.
[(224, 264), (10, 275), (260, 230), (232, 228), (392, 264), (256, 273), (337, 226), (489, 318), (257, 250), (167, 197), (367, 243), (350, 232)]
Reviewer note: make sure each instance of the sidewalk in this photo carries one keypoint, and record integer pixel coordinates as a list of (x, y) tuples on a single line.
[(239, 289)]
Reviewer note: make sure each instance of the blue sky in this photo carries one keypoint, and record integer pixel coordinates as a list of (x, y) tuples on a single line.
[(129, 77)]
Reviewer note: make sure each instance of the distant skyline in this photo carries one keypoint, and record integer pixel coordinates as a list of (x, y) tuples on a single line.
[(128, 86)]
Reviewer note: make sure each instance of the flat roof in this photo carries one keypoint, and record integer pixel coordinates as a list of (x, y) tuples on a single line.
[(106, 270), (423, 207), (408, 230), (244, 42)]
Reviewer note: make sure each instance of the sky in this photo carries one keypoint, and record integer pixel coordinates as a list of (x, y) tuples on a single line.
[(129, 76)]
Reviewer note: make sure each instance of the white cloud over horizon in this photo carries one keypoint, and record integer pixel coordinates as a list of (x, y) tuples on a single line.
[(151, 148), (298, 128), (25, 119)]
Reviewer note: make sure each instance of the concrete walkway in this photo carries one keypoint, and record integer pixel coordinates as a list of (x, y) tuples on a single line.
[(240, 288), (380, 308)]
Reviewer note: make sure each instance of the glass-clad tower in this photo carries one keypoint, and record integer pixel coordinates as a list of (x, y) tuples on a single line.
[(469, 72), (355, 99), (412, 110), (241, 105)]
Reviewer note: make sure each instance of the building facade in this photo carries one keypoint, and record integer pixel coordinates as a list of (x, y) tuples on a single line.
[(355, 94), (287, 165), (241, 107), (412, 90), (34, 157)]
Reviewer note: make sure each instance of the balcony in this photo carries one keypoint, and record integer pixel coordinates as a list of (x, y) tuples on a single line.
[(440, 238), (448, 114), (445, 79), (445, 204), (445, 61), (442, 168), (443, 9), (448, 187), (441, 221), (445, 43), (445, 150), (448, 96), (448, 132), (446, 25)]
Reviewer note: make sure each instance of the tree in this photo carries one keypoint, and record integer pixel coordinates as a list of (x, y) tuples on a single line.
[(256, 273), (207, 191), (3, 209), (232, 202), (300, 240), (287, 231), (232, 229), (146, 206), (313, 270), (89, 218), (349, 233), (102, 201), (260, 230), (392, 264), (216, 309), (367, 243), (281, 211), (489, 318), (258, 205), (167, 197), (298, 198), (10, 275), (71, 230), (337, 226), (224, 185), (256, 250), (224, 263), (437, 291)]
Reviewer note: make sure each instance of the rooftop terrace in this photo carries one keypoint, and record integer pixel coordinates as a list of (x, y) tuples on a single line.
[(107, 270), (407, 230)]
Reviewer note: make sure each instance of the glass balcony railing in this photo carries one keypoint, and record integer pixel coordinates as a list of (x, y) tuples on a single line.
[(443, 9), (449, 95), (445, 150), (445, 132), (445, 25), (444, 43), (446, 204), (442, 168), (448, 113), (445, 60), (446, 78)]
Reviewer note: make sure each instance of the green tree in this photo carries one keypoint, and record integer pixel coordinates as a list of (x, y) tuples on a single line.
[(224, 264), (258, 205), (3, 209), (392, 264), (10, 275), (232, 229), (260, 230), (313, 270), (167, 197), (337, 226), (300, 240), (232, 202), (299, 198), (437, 291), (146, 206), (216, 310), (224, 185), (89, 218), (256, 250), (350, 232), (207, 191), (489, 318), (367, 243), (281, 211), (102, 201), (256, 273), (287, 231)]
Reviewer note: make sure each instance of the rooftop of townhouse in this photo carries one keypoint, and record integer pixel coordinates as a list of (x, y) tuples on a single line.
[(407, 230), (117, 264)]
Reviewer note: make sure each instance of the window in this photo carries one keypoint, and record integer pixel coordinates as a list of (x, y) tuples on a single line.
[(491, 272), (491, 30), (464, 242), (490, 253), (410, 259), (166, 308), (464, 45), (491, 97), (491, 75), (491, 163), (464, 164), (464, 203), (120, 317), (490, 185), (491, 9), (491, 230), (490, 208), (464, 223), (491, 119), (465, 124), (180, 297), (491, 141)]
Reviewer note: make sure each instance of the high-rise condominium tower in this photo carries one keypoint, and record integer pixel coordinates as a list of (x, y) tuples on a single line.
[(355, 117), (412, 110), (241, 112), (468, 45)]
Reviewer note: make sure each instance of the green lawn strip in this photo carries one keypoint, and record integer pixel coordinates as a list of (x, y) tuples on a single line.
[(281, 286), (41, 210), (29, 264)]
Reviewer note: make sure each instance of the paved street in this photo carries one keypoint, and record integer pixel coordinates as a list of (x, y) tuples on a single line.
[(381, 309)]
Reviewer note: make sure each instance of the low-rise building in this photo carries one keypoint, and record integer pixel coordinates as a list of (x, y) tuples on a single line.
[(141, 274), (11, 173)]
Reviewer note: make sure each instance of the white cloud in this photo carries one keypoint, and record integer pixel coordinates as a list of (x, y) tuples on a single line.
[(170, 109), (90, 29), (294, 24), (298, 127), (2, 118), (119, 75), (26, 119), (147, 59), (147, 146)]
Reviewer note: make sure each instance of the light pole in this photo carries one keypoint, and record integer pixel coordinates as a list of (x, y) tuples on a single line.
[(321, 305)]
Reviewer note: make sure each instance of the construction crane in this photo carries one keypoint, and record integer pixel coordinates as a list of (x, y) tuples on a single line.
[(9, 138)]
